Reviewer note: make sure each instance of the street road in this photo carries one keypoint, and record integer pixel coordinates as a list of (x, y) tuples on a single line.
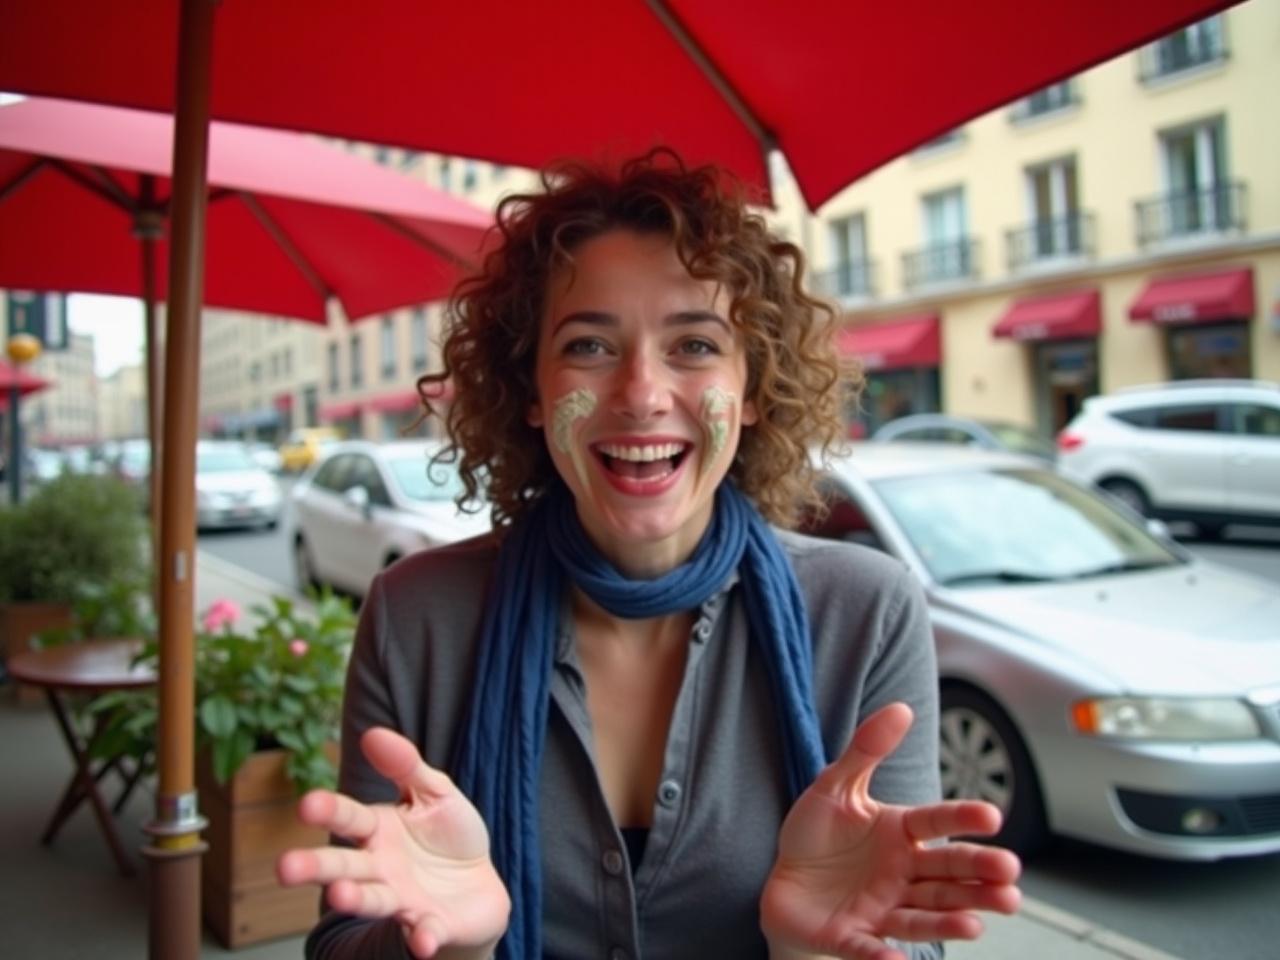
[(1198, 911)]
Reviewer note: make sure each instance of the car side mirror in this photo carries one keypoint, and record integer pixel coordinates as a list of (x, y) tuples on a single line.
[(358, 498)]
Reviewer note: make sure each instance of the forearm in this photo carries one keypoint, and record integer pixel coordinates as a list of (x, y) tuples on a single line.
[(342, 937)]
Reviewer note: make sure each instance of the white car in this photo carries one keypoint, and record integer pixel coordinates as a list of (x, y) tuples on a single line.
[(1097, 681), (1207, 451), (366, 505), (232, 490)]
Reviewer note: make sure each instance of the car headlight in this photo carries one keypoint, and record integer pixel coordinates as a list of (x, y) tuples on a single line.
[(1165, 718)]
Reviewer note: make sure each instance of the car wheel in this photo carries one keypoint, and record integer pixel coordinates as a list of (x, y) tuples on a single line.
[(303, 567), (982, 757), (1128, 493)]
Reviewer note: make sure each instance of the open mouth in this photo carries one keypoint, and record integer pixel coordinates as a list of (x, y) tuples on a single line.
[(647, 462)]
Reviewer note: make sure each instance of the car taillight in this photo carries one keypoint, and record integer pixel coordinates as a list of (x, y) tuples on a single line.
[(1069, 441)]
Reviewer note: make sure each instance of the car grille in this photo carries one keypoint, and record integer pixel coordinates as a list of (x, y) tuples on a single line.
[(1238, 816), (1262, 814)]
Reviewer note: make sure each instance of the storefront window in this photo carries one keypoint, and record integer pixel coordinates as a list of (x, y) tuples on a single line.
[(1220, 350), (890, 394)]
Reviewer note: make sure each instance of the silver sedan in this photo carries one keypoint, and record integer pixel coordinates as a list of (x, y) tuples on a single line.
[(1097, 681)]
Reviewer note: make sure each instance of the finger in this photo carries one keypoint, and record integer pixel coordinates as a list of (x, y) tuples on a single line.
[(338, 814), (327, 864), (919, 926), (876, 737), (971, 818), (427, 937), (943, 896), (373, 900), (396, 758), (966, 861)]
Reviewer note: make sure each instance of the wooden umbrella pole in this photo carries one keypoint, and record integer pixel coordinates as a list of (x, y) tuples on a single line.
[(176, 847)]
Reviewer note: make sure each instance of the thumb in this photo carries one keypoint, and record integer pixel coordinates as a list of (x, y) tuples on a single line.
[(876, 737)]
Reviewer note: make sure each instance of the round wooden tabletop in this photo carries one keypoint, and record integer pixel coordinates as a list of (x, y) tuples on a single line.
[(94, 665)]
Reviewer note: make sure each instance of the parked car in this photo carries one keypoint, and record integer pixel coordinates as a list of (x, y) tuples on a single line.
[(1207, 451), (366, 505), (1097, 681), (265, 455), (987, 434), (232, 490), (304, 446)]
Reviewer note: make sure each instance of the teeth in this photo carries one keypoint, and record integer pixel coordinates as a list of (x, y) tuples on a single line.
[(645, 454)]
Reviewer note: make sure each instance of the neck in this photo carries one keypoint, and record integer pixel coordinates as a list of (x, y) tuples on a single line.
[(599, 629)]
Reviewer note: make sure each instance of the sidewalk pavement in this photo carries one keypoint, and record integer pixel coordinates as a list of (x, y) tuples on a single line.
[(67, 901)]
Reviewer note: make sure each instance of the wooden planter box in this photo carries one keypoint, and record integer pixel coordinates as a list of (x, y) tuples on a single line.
[(19, 622), (252, 820)]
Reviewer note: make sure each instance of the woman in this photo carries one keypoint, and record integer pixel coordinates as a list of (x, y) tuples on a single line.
[(638, 682)]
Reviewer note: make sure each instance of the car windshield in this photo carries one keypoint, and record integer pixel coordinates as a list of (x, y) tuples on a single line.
[(1015, 526), (1021, 440), (420, 479), (223, 460)]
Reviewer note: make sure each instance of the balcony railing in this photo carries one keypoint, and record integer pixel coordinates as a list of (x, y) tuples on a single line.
[(1217, 209), (850, 278), (941, 262), (1050, 239)]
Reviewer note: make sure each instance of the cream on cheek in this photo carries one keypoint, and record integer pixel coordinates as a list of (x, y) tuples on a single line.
[(566, 411), (717, 420)]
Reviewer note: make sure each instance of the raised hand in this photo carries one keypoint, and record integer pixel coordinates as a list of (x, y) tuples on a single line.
[(424, 860), (851, 871)]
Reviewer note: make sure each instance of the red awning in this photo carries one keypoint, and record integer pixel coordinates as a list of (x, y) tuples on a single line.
[(1063, 316), (1196, 298), (400, 402), (283, 401), (912, 341), (340, 411)]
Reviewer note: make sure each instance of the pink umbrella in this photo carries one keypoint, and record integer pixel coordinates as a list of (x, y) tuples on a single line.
[(26, 383)]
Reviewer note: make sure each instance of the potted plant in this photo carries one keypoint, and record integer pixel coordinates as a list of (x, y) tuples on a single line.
[(77, 533), (268, 709)]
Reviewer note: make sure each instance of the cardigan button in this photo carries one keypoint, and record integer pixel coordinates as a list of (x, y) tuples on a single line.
[(613, 862), (669, 793)]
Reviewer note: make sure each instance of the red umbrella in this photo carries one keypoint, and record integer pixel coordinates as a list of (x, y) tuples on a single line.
[(839, 86), (291, 223)]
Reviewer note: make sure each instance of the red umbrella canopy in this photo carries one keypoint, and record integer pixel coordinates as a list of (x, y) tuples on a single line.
[(291, 220), (26, 382), (840, 86)]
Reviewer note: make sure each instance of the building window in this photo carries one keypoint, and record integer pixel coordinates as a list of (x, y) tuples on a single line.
[(446, 174), (949, 139), (1199, 44), (357, 361), (1200, 197), (948, 253), (255, 371), (388, 341), (470, 175), (418, 338), (288, 361), (850, 272), (1053, 205), (1050, 99), (275, 366)]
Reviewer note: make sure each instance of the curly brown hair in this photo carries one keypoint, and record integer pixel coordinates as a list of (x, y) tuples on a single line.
[(795, 378)]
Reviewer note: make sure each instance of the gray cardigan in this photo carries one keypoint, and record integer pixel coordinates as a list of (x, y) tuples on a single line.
[(722, 797)]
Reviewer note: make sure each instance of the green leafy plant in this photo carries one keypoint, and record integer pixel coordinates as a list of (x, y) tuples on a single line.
[(277, 684), (74, 530), (120, 607)]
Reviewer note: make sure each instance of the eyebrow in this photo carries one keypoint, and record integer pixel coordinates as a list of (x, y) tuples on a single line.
[(679, 318)]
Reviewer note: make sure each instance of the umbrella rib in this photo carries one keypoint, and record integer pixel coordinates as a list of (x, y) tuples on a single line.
[(286, 244), (19, 181), (99, 183), (764, 137), (391, 223)]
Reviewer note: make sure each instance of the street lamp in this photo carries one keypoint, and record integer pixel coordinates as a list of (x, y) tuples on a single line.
[(22, 348)]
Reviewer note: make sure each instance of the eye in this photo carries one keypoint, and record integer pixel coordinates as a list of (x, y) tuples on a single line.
[(584, 347), (698, 347)]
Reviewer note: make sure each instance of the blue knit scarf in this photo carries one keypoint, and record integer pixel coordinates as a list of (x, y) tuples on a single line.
[(500, 750)]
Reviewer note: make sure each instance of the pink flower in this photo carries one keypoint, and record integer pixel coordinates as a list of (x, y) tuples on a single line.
[(221, 613), (298, 647)]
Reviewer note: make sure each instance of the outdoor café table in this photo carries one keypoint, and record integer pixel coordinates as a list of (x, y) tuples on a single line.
[(93, 667)]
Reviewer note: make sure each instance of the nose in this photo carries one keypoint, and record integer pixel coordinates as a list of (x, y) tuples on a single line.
[(642, 389)]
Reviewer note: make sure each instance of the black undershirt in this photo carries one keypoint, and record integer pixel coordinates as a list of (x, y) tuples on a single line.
[(635, 838)]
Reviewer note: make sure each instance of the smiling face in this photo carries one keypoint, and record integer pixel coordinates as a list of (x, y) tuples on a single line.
[(640, 380)]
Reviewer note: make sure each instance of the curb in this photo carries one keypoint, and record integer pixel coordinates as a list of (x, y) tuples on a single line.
[(226, 570), (1084, 931)]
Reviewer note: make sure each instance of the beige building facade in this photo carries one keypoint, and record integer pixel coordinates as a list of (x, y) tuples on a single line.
[(122, 404), (1121, 227), (65, 413)]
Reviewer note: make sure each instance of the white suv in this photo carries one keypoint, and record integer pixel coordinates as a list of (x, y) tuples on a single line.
[(1201, 450)]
